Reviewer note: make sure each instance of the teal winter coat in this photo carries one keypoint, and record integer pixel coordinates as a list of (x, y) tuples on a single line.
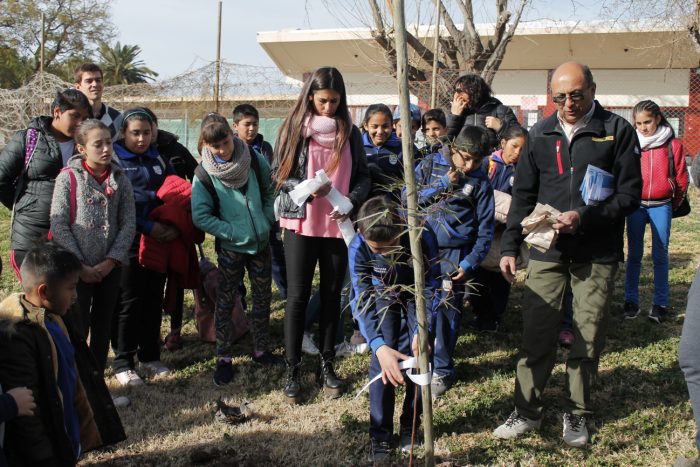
[(245, 215)]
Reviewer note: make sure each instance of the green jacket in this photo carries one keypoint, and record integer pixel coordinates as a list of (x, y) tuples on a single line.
[(244, 220)]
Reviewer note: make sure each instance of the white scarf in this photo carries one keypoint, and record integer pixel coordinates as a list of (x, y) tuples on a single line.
[(662, 134)]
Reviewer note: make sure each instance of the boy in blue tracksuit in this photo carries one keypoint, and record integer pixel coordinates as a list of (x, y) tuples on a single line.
[(382, 276), (457, 199)]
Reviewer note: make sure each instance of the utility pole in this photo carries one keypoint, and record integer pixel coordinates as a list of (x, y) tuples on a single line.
[(43, 39), (436, 51), (414, 228), (218, 63)]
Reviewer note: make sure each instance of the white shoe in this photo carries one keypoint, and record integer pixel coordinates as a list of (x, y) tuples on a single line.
[(515, 426), (344, 349), (129, 378), (575, 431), (308, 346), (156, 367), (362, 348), (121, 401)]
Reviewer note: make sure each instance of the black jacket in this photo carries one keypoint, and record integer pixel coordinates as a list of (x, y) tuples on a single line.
[(27, 359), (360, 181), (492, 108), (608, 142), (32, 202), (177, 154)]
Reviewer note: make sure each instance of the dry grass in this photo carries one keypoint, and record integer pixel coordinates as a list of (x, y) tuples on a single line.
[(643, 415)]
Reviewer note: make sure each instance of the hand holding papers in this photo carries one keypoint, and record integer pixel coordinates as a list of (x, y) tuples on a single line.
[(538, 227), (597, 185)]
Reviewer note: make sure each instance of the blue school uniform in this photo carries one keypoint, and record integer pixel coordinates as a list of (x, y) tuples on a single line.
[(385, 165), (500, 174), (378, 305), (462, 217)]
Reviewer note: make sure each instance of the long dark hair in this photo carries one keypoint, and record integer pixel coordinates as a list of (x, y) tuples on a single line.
[(655, 111), (479, 91), (290, 136)]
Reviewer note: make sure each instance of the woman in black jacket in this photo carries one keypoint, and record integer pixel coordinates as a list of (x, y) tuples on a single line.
[(474, 105), (29, 165), (317, 134)]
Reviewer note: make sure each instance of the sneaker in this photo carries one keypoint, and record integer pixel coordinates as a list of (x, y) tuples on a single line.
[(357, 338), (378, 450), (405, 439), (439, 385), (308, 346), (344, 349), (129, 378), (223, 373), (566, 338), (121, 401), (362, 348), (631, 310), (267, 358), (515, 426), (658, 313), (156, 367), (575, 431), (481, 325)]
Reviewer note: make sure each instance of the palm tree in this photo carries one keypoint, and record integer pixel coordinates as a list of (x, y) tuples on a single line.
[(119, 65)]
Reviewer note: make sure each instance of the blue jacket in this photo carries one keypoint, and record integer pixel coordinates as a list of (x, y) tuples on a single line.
[(376, 278), (263, 147), (501, 175), (462, 215), (146, 172), (385, 164)]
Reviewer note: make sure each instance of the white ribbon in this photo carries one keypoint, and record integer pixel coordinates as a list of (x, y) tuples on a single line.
[(421, 379)]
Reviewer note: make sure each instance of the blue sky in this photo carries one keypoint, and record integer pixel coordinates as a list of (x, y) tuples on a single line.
[(177, 35)]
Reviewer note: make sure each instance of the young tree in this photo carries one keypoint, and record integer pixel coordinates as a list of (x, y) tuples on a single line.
[(120, 66), (72, 27)]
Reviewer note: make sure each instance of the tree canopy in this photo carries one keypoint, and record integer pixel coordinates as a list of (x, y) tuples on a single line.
[(120, 65)]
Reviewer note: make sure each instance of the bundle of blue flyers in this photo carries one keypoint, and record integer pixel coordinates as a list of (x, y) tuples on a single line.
[(597, 185)]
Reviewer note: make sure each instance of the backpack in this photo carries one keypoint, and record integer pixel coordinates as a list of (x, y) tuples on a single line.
[(205, 304), (205, 179)]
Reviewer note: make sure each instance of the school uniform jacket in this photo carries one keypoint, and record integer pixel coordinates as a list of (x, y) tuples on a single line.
[(385, 164), (551, 170), (461, 214), (377, 281)]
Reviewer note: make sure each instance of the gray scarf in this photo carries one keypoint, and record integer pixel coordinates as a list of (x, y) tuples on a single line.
[(234, 173)]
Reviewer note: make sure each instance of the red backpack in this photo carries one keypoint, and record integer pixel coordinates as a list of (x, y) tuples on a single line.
[(205, 303)]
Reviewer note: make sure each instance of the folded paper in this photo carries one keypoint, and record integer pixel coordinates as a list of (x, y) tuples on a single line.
[(538, 227)]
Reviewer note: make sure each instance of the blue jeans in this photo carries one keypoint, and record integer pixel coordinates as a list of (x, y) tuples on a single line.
[(659, 217)]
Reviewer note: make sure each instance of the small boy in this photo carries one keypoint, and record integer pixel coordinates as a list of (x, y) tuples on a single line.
[(434, 127), (246, 122), (40, 350), (381, 270), (89, 80), (415, 121), (458, 200)]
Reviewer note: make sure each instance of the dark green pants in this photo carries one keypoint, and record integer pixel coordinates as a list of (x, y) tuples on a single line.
[(592, 286)]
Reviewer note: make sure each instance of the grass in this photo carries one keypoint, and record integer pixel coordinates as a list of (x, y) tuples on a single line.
[(643, 414)]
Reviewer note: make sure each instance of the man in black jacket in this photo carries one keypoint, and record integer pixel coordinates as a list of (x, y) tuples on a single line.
[(586, 253)]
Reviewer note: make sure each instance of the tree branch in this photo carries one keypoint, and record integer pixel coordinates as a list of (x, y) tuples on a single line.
[(494, 61)]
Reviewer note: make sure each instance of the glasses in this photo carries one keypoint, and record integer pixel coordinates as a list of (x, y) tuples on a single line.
[(575, 96)]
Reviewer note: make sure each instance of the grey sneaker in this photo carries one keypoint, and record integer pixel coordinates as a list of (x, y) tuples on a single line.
[(120, 401), (405, 439), (631, 310), (575, 431), (658, 313), (378, 450), (308, 346), (129, 378), (156, 367), (515, 426), (439, 385)]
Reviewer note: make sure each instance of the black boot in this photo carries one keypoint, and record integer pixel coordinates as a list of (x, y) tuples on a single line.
[(292, 388), (327, 378)]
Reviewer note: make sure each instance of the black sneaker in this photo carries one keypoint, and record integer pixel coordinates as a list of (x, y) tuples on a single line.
[(223, 373), (631, 310), (658, 313), (378, 450), (267, 358)]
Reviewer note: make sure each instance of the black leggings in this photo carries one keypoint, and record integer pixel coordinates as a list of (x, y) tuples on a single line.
[(301, 255)]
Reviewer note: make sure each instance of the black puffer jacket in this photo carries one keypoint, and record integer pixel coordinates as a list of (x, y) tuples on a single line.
[(31, 196), (177, 154), (551, 170), (28, 359), (360, 181), (470, 117)]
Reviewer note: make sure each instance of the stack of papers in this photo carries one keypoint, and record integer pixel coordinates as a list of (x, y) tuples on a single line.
[(538, 227), (597, 185)]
